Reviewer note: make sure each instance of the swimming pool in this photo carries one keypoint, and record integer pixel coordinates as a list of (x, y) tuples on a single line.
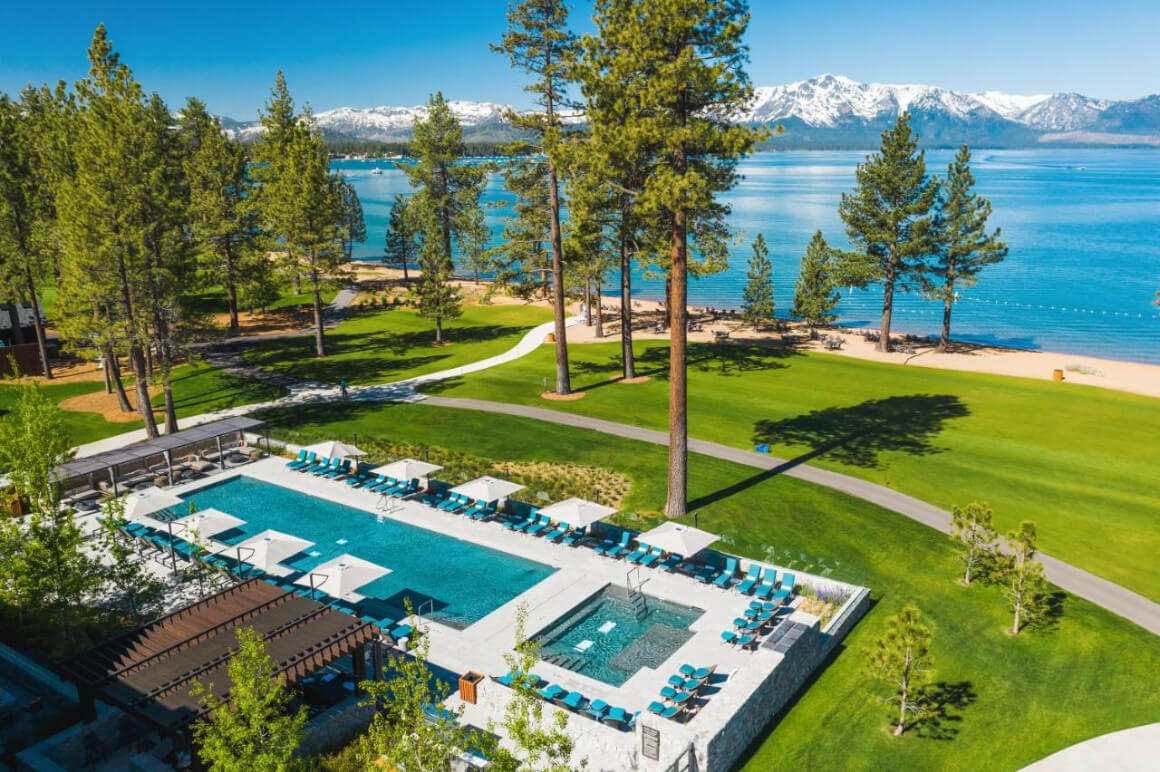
[(603, 638), (450, 580)]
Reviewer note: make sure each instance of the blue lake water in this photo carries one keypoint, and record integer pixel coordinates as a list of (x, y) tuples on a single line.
[(464, 581), (1083, 228)]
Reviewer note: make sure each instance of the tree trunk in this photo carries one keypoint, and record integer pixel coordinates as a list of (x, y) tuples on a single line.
[(141, 382), (887, 308), (563, 380), (105, 371), (231, 289), (1018, 609), (115, 371), (948, 301), (297, 282), (41, 344), (678, 360), (476, 267), (898, 730), (170, 408), (628, 359), (599, 313), (438, 330), (319, 343), (405, 270), (587, 303)]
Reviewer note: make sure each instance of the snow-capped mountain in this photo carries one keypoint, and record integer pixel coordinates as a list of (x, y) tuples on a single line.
[(833, 111)]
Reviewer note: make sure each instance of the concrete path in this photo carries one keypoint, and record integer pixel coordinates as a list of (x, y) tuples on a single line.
[(1130, 750), (1113, 597), (1109, 595)]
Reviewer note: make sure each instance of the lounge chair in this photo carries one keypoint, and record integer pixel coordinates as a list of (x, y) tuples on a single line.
[(518, 523), (532, 518), (671, 562), (665, 711), (614, 549), (361, 476), (726, 576), (766, 588), (597, 709), (701, 674), (561, 529), (642, 549), (729, 637), (572, 537), (786, 590), (294, 463), (551, 692), (669, 693), (402, 631), (745, 641), (752, 577), (476, 506), (317, 463), (484, 512), (539, 526), (651, 557), (382, 483), (454, 501), (341, 469), (618, 717)]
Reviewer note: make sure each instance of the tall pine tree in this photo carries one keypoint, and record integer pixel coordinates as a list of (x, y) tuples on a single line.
[(354, 224), (815, 294), (539, 42), (889, 220), (402, 247), (757, 302), (963, 246)]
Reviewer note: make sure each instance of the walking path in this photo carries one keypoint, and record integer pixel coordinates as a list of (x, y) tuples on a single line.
[(1113, 597), (1130, 750)]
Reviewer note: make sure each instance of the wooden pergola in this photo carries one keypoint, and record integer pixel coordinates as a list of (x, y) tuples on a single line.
[(148, 671)]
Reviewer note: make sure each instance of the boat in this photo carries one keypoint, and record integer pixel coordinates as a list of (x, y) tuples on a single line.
[(376, 171)]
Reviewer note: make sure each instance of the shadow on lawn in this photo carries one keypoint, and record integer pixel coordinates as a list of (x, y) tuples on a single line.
[(241, 391), (726, 360), (941, 698), (859, 434)]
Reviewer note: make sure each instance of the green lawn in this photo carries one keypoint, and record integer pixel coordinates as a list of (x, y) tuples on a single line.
[(209, 301), (381, 346), (1014, 699), (195, 390), (1078, 460)]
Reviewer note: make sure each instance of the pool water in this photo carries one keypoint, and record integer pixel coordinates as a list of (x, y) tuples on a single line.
[(603, 638), (450, 580)]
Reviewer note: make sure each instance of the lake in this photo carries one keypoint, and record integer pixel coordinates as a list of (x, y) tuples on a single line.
[(1083, 227)]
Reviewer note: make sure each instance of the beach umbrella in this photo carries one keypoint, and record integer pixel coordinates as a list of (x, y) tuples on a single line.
[(342, 576), (577, 513), (407, 469), (487, 489), (142, 503), (334, 449), (208, 522), (269, 548), (682, 539)]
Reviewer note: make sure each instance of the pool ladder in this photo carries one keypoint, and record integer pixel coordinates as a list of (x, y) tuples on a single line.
[(636, 596)]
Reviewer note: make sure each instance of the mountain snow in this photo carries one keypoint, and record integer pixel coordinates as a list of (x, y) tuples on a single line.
[(391, 123)]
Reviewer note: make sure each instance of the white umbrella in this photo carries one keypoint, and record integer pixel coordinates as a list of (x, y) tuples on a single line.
[(269, 547), (487, 489), (681, 539), (334, 449), (342, 576), (140, 504), (208, 522), (576, 512), (407, 469)]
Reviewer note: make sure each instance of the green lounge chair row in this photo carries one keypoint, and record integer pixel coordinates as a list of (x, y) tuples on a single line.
[(598, 710)]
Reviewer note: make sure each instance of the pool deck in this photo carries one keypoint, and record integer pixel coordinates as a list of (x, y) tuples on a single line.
[(580, 574)]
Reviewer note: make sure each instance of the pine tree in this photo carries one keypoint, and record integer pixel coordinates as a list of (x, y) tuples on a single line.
[(889, 220), (963, 246), (255, 731), (446, 207), (539, 43), (757, 302), (901, 659), (973, 530), (402, 240), (354, 224), (224, 227), (1025, 586), (681, 66), (815, 294), (523, 249)]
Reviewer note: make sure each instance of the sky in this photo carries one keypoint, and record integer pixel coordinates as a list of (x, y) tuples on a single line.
[(361, 54)]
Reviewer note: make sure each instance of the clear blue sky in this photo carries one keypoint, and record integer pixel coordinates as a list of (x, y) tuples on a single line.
[(340, 52)]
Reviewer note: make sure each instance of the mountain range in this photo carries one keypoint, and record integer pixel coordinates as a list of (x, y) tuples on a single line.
[(831, 112)]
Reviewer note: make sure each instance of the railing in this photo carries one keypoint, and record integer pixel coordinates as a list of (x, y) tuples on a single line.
[(686, 762)]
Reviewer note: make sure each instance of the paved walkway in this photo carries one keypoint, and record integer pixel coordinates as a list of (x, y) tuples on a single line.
[(1131, 750), (1111, 596)]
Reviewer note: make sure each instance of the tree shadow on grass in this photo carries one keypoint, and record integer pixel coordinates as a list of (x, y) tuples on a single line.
[(240, 391), (859, 434), (942, 699), (727, 360)]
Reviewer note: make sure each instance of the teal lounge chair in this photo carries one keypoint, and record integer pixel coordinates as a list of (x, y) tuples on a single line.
[(651, 557), (311, 460), (330, 467), (454, 501), (784, 592), (572, 537), (382, 483), (730, 637), (340, 469), (752, 577), (550, 692), (571, 700), (532, 518), (727, 575), (294, 463), (476, 506), (597, 709), (484, 512), (671, 562), (561, 529), (642, 549), (538, 527), (361, 476), (319, 463), (766, 588), (614, 549), (665, 711), (518, 523), (618, 718)]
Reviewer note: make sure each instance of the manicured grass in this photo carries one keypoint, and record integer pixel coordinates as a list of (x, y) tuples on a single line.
[(1077, 460), (195, 390), (382, 346), (1014, 699), (213, 299)]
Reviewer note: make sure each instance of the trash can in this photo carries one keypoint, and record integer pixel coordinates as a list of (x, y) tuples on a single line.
[(467, 685), (1057, 375)]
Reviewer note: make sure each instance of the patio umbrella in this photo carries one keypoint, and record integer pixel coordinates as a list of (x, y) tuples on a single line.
[(577, 513), (148, 501), (487, 489), (342, 576), (334, 449), (269, 548), (407, 469), (681, 539), (208, 522)]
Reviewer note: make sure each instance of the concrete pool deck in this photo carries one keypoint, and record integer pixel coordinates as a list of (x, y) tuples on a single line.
[(750, 687)]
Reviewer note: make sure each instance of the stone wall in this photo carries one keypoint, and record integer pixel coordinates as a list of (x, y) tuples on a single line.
[(334, 727)]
